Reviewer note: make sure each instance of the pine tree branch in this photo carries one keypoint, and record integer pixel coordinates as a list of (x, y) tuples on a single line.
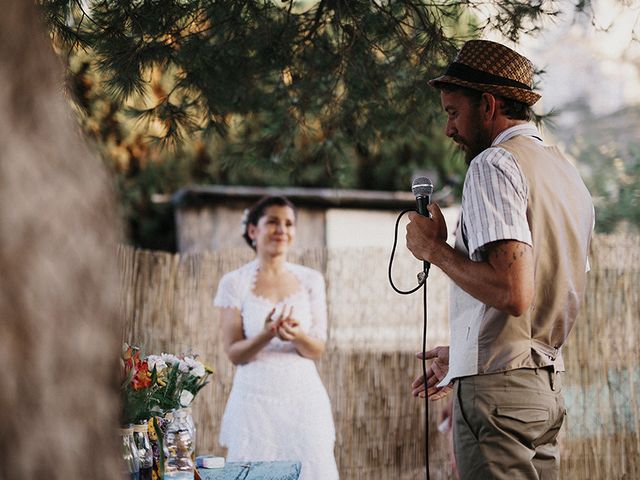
[(316, 20)]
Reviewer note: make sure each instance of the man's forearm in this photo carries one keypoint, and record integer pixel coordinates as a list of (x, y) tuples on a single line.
[(499, 287)]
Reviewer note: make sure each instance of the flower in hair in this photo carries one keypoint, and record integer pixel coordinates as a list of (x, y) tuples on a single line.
[(244, 220)]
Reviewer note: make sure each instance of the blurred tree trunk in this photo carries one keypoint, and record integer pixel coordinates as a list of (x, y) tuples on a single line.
[(60, 334)]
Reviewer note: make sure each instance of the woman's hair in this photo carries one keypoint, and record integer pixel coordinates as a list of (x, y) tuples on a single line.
[(255, 213)]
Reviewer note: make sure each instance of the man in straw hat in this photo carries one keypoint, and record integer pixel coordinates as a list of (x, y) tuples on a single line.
[(518, 268)]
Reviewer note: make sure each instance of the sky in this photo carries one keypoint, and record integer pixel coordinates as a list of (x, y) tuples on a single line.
[(598, 61)]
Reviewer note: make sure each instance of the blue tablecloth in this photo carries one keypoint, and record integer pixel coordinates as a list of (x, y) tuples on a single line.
[(253, 471)]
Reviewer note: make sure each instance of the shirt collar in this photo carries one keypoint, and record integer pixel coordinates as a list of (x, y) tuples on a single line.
[(527, 129)]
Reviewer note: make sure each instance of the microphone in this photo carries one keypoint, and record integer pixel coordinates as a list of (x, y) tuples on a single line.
[(422, 188)]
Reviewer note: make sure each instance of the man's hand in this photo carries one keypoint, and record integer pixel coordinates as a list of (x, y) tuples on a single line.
[(435, 373), (424, 234)]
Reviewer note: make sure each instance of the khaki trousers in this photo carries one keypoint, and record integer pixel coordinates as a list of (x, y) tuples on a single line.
[(506, 425)]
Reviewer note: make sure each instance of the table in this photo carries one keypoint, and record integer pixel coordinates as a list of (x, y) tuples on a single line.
[(253, 471)]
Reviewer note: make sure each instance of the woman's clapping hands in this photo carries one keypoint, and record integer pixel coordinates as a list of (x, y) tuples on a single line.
[(282, 324)]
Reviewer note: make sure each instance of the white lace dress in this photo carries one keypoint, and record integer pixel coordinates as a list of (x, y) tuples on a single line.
[(278, 408)]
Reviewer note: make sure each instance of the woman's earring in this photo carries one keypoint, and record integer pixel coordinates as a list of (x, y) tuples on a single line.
[(253, 242)]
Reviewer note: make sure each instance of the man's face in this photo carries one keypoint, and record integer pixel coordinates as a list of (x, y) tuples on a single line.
[(465, 123)]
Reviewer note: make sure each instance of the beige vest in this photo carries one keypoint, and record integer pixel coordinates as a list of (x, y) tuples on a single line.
[(560, 216)]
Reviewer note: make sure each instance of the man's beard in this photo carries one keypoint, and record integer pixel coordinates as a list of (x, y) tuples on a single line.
[(476, 140), (474, 146)]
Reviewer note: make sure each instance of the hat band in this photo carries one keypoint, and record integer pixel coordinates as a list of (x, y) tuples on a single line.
[(470, 74)]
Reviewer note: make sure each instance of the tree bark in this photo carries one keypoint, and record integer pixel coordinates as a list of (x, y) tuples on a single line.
[(60, 334)]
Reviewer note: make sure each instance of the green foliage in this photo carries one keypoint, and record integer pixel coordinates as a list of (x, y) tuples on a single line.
[(317, 93), (608, 155), (615, 186), (150, 220)]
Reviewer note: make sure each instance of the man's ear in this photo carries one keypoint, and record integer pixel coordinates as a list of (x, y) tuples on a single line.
[(490, 105)]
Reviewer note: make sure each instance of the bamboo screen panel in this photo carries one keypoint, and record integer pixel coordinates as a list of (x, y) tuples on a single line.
[(374, 333)]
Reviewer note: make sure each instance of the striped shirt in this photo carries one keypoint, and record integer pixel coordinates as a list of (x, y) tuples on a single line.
[(494, 197)]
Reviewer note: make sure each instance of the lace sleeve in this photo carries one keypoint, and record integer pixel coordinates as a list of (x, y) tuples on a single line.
[(317, 294), (228, 295)]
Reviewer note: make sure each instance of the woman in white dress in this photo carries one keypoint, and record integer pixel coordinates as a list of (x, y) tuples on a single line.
[(274, 325)]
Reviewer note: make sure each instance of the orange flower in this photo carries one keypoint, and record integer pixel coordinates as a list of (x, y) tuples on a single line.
[(142, 377), (131, 358)]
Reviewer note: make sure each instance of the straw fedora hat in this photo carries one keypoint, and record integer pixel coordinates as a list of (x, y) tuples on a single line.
[(491, 67)]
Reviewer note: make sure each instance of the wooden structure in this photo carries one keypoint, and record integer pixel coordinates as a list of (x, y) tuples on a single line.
[(209, 217), (373, 336)]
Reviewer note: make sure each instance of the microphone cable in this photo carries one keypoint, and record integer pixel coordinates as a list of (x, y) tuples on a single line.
[(422, 282)]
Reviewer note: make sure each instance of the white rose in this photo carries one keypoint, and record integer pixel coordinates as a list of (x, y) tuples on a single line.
[(186, 397)]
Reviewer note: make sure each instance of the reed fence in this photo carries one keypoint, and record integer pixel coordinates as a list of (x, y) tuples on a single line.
[(370, 361)]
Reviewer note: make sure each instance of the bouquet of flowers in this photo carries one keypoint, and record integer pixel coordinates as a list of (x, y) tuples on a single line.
[(157, 384)]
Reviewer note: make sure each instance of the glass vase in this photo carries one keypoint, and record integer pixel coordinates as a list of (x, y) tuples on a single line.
[(192, 430), (129, 454), (145, 452), (178, 447)]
